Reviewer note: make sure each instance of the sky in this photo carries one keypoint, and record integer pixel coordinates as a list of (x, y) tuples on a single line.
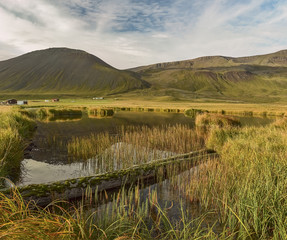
[(130, 33)]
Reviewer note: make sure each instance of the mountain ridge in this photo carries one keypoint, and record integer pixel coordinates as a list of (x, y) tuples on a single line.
[(260, 78), (210, 61)]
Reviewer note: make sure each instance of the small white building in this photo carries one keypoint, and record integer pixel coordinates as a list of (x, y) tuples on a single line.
[(98, 98), (22, 102)]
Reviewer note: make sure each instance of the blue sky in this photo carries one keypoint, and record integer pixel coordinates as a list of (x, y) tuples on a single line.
[(129, 33)]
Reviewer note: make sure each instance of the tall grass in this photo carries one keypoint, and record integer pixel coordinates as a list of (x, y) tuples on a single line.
[(247, 185), (208, 120), (125, 216), (49, 114), (134, 145), (14, 129), (101, 112)]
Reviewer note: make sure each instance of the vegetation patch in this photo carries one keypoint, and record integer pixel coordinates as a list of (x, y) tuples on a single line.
[(101, 112), (65, 111), (281, 123), (245, 187), (14, 129), (247, 184), (129, 216), (207, 120), (135, 145), (194, 112)]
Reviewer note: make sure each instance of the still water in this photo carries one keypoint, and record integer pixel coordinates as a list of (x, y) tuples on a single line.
[(48, 161)]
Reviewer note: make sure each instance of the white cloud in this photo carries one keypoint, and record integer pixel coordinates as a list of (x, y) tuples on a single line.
[(128, 33)]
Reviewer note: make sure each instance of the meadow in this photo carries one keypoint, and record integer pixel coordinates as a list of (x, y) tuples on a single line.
[(228, 107), (244, 189)]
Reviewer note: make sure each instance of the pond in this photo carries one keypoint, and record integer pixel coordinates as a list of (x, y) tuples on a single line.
[(79, 146), (49, 159)]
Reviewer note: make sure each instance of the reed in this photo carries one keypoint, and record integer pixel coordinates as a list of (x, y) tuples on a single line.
[(100, 112), (35, 113), (247, 185), (280, 123), (48, 114), (245, 188), (14, 129), (208, 120), (193, 112), (122, 215), (64, 111), (134, 145), (88, 147)]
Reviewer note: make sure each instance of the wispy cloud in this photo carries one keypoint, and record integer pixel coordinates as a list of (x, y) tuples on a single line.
[(128, 33)]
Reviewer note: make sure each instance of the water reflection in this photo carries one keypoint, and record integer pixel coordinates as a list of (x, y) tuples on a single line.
[(51, 139), (63, 118), (166, 194)]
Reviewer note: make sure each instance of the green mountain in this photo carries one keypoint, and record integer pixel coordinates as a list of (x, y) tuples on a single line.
[(261, 78), (64, 71)]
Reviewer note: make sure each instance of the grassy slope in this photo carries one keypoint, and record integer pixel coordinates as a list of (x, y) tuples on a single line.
[(254, 79), (62, 70)]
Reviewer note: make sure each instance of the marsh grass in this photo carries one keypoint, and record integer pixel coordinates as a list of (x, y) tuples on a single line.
[(124, 216), (280, 123), (65, 111), (48, 114), (193, 112), (207, 120), (11, 151), (36, 113), (14, 129), (100, 112), (134, 145), (247, 185)]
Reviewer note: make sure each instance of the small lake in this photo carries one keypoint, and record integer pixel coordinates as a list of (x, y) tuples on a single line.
[(49, 161)]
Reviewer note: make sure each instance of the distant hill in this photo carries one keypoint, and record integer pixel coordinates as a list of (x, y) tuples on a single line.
[(261, 78), (65, 71), (276, 59)]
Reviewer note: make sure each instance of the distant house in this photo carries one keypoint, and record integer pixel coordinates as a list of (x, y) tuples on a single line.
[(98, 98), (11, 101), (22, 102), (55, 100)]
